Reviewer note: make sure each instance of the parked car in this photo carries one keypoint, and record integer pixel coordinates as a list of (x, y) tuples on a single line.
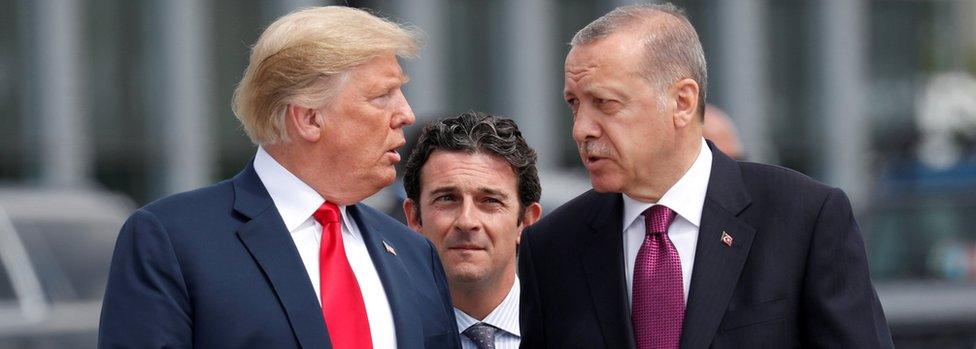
[(55, 250), (922, 250)]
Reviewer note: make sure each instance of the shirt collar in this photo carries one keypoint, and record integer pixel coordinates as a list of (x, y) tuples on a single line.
[(686, 197), (295, 200), (504, 316)]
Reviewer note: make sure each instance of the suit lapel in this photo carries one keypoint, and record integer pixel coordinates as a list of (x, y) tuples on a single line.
[(269, 243), (717, 265), (603, 263), (393, 274)]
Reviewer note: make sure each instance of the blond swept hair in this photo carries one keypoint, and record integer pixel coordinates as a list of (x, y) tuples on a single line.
[(302, 58)]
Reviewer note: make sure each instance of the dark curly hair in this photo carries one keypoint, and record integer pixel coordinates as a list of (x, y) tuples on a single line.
[(472, 133)]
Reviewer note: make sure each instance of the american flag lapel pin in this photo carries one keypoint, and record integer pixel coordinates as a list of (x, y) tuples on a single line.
[(389, 248), (726, 239)]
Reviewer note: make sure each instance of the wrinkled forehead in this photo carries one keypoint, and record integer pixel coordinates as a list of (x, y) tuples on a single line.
[(385, 65), (622, 41), (602, 73), (615, 54), (461, 172), (378, 74)]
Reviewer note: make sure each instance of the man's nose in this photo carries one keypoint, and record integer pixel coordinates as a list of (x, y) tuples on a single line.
[(584, 125), (467, 220), (404, 114)]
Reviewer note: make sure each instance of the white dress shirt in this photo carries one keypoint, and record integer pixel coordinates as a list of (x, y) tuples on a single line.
[(296, 201), (686, 197), (505, 317)]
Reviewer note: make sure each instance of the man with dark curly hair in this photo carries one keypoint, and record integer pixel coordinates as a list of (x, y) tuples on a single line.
[(472, 187)]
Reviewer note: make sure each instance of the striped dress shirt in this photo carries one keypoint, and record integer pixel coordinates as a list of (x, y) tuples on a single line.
[(505, 317)]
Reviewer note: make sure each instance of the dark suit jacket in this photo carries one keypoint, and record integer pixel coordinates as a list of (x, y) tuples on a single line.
[(795, 275), (216, 268)]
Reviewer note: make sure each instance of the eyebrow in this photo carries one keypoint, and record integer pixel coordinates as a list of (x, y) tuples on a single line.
[(453, 189), (397, 77), (602, 90), (386, 83), (491, 191), (610, 88), (443, 190)]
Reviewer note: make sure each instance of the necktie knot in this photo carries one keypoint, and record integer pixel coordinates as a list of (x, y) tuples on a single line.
[(482, 334), (327, 213), (658, 218)]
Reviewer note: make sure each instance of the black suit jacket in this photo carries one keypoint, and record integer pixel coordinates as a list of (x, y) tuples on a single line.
[(795, 275), (216, 268)]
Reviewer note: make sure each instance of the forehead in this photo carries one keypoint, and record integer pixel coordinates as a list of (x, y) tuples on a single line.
[(467, 172), (613, 58), (383, 70)]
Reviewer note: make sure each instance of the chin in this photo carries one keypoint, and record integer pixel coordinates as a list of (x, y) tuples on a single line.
[(386, 181), (466, 274), (603, 184), (385, 177)]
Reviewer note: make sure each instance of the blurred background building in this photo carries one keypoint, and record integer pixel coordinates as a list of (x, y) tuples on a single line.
[(875, 97)]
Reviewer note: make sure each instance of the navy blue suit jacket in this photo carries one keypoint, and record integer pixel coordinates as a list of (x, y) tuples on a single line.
[(796, 274), (216, 268)]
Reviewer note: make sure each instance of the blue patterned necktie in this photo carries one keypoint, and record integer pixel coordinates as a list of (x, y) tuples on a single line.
[(482, 334)]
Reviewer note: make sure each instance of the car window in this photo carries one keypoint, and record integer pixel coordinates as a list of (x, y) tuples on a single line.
[(71, 259), (923, 239)]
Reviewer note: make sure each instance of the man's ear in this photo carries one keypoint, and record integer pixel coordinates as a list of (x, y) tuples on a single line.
[(412, 212), (685, 93), (307, 123), (532, 214)]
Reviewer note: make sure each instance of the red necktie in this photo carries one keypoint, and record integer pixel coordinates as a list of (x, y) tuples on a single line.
[(658, 295), (342, 301)]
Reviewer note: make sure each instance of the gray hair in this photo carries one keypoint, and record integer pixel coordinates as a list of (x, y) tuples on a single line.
[(673, 50)]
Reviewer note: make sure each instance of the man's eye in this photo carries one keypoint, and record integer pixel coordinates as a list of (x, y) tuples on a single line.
[(444, 198), (492, 201), (382, 100), (607, 106), (573, 106)]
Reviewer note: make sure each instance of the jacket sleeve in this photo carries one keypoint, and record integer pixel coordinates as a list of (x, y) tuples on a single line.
[(530, 309), (146, 304), (840, 306), (445, 294)]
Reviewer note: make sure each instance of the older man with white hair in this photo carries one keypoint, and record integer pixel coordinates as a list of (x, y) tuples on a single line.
[(283, 255)]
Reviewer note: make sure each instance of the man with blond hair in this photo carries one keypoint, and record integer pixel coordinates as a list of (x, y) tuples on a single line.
[(283, 255)]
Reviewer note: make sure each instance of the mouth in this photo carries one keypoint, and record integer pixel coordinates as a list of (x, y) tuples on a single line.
[(466, 247), (593, 152), (593, 160), (394, 152)]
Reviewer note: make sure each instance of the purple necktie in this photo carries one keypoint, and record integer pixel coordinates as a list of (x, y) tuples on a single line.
[(658, 297)]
